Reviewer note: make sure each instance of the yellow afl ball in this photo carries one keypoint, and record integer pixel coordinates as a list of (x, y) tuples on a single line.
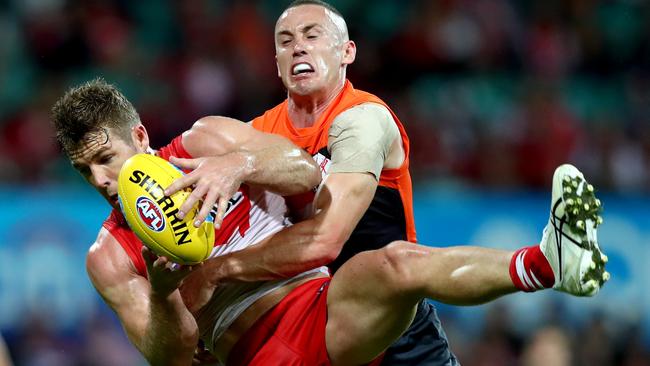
[(152, 215)]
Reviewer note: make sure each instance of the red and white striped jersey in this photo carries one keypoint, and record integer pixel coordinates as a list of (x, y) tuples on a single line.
[(252, 215)]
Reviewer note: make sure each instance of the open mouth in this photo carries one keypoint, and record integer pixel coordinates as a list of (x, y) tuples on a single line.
[(301, 69)]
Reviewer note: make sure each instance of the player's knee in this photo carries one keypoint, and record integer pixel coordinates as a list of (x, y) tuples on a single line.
[(397, 265)]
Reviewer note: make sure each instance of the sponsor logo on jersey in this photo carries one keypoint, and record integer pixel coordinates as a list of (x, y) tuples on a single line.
[(150, 214), (323, 163)]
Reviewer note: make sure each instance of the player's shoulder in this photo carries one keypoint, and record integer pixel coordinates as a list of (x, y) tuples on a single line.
[(366, 119), (103, 250), (371, 108), (216, 125), (106, 261), (374, 107), (368, 113), (214, 135)]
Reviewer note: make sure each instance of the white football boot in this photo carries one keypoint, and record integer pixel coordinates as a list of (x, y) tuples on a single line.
[(569, 240)]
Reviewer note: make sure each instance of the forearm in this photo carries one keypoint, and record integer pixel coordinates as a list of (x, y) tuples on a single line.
[(340, 204), (171, 333), (289, 252), (150, 308), (4, 354), (282, 168), (251, 156)]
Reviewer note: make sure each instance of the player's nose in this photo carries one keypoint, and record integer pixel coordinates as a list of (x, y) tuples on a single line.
[(298, 48), (100, 176)]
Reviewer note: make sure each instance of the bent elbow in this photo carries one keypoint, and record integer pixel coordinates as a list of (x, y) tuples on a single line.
[(184, 350), (329, 248), (314, 176), (190, 338), (314, 180), (206, 124), (310, 172), (331, 256)]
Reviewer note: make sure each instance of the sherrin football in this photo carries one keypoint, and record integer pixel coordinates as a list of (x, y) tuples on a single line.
[(152, 215)]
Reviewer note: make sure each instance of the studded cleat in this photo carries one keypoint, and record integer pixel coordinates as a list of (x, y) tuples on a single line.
[(569, 241)]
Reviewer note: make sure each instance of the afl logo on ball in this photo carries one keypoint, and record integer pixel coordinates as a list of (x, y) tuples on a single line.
[(150, 214)]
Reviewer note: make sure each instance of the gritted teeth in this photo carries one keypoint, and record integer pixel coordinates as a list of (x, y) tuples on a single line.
[(301, 68)]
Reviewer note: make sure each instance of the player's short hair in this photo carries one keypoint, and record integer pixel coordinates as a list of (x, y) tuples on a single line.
[(90, 108), (342, 25), (314, 2)]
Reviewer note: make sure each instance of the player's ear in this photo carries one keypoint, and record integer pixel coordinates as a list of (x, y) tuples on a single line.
[(277, 65), (349, 52), (140, 137)]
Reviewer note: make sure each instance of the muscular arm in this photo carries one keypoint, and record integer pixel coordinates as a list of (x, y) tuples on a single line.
[(266, 160), (5, 360), (160, 326), (343, 199), (228, 153), (341, 203)]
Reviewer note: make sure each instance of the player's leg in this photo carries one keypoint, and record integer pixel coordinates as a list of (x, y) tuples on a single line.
[(372, 298)]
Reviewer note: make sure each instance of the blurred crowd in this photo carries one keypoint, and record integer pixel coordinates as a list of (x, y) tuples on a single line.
[(99, 342), (598, 342), (497, 342), (493, 92)]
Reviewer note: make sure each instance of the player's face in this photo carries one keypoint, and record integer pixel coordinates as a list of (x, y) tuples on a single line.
[(102, 155), (312, 50)]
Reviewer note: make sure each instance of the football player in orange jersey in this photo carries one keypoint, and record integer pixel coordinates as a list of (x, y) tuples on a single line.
[(365, 200)]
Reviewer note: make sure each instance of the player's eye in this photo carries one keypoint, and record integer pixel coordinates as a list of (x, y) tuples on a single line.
[(84, 171), (106, 159)]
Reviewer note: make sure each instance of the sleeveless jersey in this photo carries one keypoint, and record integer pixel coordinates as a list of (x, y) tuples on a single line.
[(252, 215), (390, 214)]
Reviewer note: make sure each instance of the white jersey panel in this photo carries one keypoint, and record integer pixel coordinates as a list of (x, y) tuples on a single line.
[(267, 215)]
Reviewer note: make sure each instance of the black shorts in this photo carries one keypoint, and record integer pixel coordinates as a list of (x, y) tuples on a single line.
[(423, 344)]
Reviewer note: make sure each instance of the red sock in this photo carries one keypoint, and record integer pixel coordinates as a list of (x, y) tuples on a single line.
[(530, 271)]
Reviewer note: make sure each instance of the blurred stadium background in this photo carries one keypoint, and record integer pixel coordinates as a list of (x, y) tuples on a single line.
[(494, 94)]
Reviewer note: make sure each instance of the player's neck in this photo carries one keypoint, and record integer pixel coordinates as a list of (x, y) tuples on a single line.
[(305, 110)]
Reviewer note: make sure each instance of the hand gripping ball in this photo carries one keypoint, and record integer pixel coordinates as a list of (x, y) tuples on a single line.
[(152, 215)]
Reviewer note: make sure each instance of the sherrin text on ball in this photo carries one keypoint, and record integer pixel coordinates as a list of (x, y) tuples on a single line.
[(152, 215)]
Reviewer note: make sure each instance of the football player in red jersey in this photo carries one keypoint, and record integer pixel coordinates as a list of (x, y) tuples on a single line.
[(99, 130)]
